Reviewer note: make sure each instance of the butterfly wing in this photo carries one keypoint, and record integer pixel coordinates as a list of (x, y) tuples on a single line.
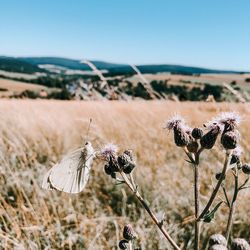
[(72, 173), (46, 184)]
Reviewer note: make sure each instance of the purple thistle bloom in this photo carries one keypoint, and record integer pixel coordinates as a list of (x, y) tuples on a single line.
[(109, 151)]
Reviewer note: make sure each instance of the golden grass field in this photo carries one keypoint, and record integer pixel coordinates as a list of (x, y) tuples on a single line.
[(34, 134), (16, 87)]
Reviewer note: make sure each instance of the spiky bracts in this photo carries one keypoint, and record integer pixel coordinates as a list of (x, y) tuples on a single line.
[(180, 129)]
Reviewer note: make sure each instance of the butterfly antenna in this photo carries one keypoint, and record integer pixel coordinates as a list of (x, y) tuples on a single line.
[(87, 134)]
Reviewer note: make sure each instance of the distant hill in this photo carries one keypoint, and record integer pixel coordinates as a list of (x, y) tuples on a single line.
[(31, 65), (12, 64)]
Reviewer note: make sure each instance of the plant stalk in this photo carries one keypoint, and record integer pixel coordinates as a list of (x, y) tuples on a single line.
[(158, 223), (197, 205), (232, 206), (130, 245), (217, 187)]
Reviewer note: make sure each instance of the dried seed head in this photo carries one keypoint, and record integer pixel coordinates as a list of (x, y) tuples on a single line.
[(217, 239), (230, 120), (240, 244), (126, 162), (128, 232), (109, 151), (208, 140), (236, 155), (230, 139), (193, 146), (197, 133), (123, 244), (246, 168), (218, 247)]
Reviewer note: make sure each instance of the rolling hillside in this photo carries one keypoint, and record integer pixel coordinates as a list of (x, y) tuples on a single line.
[(31, 65)]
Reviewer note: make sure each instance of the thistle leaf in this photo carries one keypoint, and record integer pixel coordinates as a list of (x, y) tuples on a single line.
[(208, 217)]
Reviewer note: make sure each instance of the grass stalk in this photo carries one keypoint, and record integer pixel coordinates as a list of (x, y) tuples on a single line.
[(158, 223)]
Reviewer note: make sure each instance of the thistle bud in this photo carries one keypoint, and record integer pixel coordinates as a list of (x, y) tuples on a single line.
[(240, 244), (208, 140), (229, 140), (126, 162), (218, 176), (193, 147), (218, 247), (113, 164), (113, 175), (246, 168), (181, 130), (197, 133), (236, 155), (123, 244), (128, 232), (217, 239), (181, 138), (108, 169), (235, 159)]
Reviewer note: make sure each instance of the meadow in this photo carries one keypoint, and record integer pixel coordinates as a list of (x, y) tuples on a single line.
[(34, 134)]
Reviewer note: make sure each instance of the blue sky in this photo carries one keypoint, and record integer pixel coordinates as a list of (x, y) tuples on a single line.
[(212, 33)]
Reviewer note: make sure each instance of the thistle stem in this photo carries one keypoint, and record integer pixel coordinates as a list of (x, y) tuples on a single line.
[(158, 223), (232, 206), (197, 205), (217, 187), (130, 247)]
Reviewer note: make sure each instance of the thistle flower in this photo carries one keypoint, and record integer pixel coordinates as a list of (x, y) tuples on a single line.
[(197, 133), (230, 139), (240, 244), (128, 232), (246, 169), (175, 121), (217, 239), (109, 151), (208, 140), (230, 120), (181, 130), (236, 155)]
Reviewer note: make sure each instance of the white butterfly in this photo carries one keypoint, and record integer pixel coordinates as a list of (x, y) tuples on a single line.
[(71, 174)]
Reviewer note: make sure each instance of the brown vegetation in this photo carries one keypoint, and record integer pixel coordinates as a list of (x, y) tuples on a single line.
[(34, 134)]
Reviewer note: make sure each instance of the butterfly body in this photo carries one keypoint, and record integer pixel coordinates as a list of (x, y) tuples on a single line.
[(71, 174)]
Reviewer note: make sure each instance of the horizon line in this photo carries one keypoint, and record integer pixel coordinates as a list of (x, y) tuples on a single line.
[(126, 63)]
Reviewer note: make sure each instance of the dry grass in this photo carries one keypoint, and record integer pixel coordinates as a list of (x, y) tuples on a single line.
[(33, 134), (16, 87)]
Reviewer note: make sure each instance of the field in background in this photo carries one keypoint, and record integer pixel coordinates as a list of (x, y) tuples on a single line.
[(11, 87), (34, 134)]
